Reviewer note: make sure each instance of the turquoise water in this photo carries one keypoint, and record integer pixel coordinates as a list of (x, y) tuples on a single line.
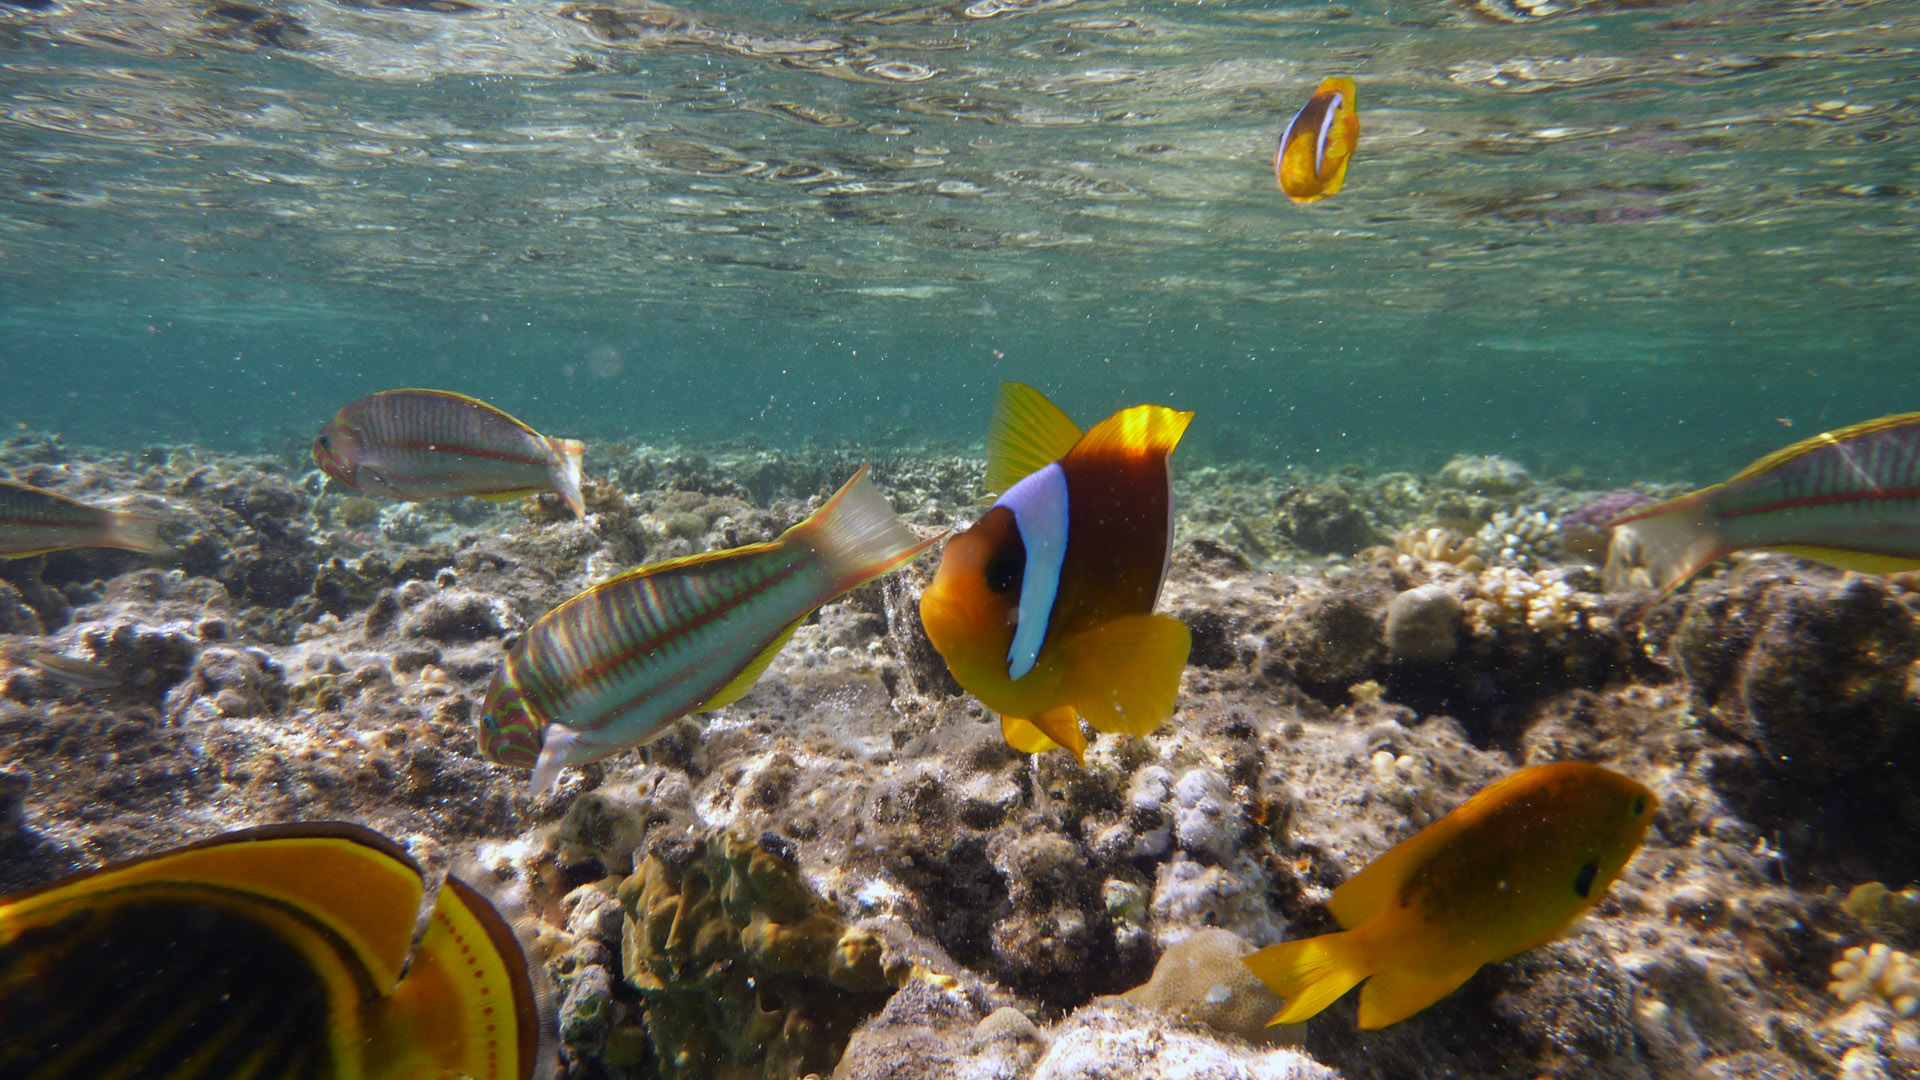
[(1640, 239)]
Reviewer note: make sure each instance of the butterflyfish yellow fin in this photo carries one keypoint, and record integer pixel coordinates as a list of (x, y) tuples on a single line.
[(1027, 434), (1867, 562), (1125, 673), (1309, 974), (743, 682), (1142, 431), (1393, 995)]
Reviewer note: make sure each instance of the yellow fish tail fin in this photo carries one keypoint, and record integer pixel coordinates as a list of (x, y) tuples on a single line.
[(1027, 434), (1674, 541), (1050, 730), (1125, 673), (1142, 431), (566, 474), (1309, 974), (1397, 993), (136, 532)]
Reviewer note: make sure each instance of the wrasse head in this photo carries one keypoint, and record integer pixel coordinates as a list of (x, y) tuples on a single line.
[(509, 732), (333, 451), (973, 605)]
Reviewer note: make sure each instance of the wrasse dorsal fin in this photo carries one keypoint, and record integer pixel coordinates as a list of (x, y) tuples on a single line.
[(1027, 434), (466, 399), (743, 682), (1818, 442), (1141, 431)]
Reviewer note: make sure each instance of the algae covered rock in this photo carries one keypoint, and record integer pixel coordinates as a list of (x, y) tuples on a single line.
[(744, 971), (1201, 979)]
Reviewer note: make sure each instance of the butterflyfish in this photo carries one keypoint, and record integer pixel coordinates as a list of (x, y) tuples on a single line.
[(34, 522), (429, 444), (1510, 869), (1848, 498), (1044, 608), (1319, 142), (609, 668), (286, 951)]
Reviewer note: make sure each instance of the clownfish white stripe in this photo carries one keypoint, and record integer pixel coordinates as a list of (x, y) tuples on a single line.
[(1326, 130), (1039, 505)]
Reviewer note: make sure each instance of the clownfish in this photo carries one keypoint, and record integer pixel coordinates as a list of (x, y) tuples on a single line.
[(1319, 143), (1509, 870), (1044, 608)]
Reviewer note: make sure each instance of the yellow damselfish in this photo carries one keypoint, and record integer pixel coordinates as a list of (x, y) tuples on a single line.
[(1512, 868)]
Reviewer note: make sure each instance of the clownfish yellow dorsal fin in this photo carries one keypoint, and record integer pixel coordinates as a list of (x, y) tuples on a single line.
[(1142, 431), (750, 674), (1048, 731), (1028, 433), (1125, 673)]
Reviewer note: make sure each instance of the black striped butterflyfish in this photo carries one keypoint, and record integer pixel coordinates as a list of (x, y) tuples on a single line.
[(34, 522), (1509, 870), (429, 444), (609, 668), (286, 951), (1848, 498), (1319, 142), (1044, 608)]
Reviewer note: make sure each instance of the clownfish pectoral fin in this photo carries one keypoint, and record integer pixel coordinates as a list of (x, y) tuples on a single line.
[(743, 682), (1397, 993), (1309, 974), (1142, 431), (1126, 672), (1050, 730), (1027, 434)]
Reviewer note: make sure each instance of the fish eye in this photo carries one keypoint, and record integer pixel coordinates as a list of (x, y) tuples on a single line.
[(1639, 805), (1583, 881), (1005, 570), (326, 442)]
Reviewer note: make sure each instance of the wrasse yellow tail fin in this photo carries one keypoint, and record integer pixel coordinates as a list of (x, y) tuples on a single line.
[(1674, 540), (1397, 993), (1027, 434), (1309, 974), (567, 454), (1142, 431), (750, 674), (136, 532), (1127, 671), (1051, 729), (857, 535)]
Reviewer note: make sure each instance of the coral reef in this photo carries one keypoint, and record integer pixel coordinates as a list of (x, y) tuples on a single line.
[(1878, 972)]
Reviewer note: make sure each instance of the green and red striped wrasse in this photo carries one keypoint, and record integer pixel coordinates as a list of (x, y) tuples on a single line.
[(275, 953), (609, 668), (426, 444), (33, 522), (1849, 498)]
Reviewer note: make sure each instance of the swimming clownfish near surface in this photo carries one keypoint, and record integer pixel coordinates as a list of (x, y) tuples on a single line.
[(1319, 142), (1044, 608)]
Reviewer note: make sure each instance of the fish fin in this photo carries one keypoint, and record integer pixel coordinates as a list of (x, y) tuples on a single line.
[(1050, 730), (1025, 736), (1818, 442), (1867, 562), (507, 496), (1027, 434), (1126, 671), (559, 739), (1309, 974), (1141, 431), (857, 534), (1393, 995), (743, 682), (136, 532), (566, 475), (1674, 540)]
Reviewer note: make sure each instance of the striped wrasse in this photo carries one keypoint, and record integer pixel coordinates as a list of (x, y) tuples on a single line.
[(34, 522), (278, 952), (1849, 498), (609, 668), (428, 444)]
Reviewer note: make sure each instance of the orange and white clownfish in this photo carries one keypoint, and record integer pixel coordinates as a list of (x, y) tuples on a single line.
[(1318, 144), (1044, 608)]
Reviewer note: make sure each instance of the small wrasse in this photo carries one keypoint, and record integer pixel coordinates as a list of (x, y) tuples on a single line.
[(1319, 142), (429, 444), (1508, 870), (1044, 608), (609, 668), (71, 670), (283, 951), (1849, 498), (34, 522)]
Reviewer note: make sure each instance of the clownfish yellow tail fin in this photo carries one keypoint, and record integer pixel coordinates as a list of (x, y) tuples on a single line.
[(1397, 993), (1125, 673), (1027, 434), (1309, 974), (1142, 431)]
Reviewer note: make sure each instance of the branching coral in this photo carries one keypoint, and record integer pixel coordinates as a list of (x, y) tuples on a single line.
[(1441, 545), (1506, 598), (1519, 537), (1878, 971)]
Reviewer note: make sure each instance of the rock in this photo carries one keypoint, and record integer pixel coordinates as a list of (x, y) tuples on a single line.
[(1486, 475), (1423, 626), (1200, 979), (1323, 518)]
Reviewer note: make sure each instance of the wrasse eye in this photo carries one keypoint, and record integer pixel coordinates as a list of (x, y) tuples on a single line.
[(326, 442), (1005, 570)]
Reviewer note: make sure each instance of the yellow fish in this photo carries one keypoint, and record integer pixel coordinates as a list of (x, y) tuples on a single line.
[(1512, 868), (1319, 143)]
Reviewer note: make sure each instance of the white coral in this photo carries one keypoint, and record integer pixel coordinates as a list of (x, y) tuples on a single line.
[(1518, 537), (1507, 597), (1878, 971)]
